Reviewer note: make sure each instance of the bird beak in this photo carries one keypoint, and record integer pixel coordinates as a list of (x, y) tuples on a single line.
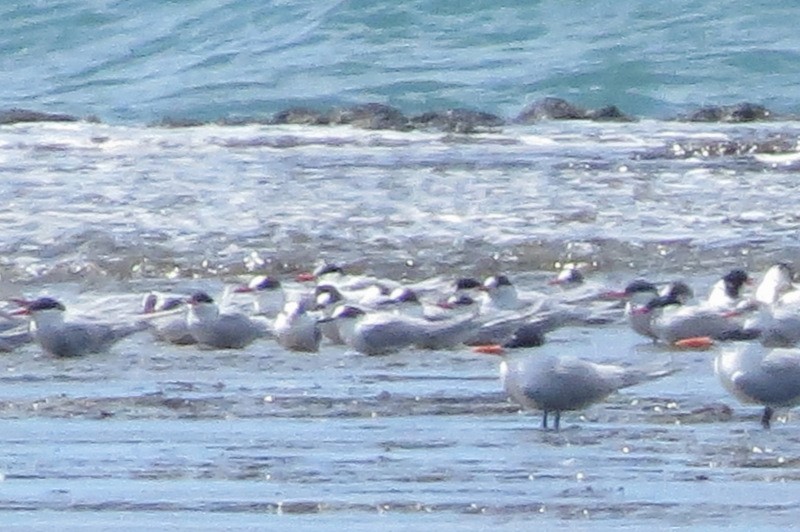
[(305, 277), (242, 289), (491, 349), (613, 295), (24, 311)]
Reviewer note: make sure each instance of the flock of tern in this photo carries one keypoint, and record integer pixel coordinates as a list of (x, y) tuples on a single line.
[(758, 329)]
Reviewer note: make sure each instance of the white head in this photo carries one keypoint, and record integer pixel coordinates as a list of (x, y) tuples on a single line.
[(202, 306), (268, 293), (570, 275), (776, 282), (44, 311), (500, 291)]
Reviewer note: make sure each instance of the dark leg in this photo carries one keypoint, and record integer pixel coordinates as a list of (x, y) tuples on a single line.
[(765, 419), (557, 422), (544, 420)]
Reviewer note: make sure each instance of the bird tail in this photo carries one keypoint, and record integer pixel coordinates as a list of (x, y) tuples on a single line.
[(124, 331), (634, 376)]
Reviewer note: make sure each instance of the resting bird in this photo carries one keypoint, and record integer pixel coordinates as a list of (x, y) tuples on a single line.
[(212, 328), (297, 330), (668, 319), (268, 295), (376, 333), (167, 326), (61, 338)]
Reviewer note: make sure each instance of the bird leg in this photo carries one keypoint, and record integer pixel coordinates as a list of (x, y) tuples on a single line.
[(544, 420), (557, 421), (765, 419)]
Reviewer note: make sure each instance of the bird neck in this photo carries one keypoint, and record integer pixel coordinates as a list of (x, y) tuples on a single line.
[(48, 319), (204, 311)]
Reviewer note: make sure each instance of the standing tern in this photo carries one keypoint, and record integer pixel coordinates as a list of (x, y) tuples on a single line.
[(756, 375), (555, 384), (327, 298)]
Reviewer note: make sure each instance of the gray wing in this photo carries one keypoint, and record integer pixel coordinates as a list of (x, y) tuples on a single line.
[(778, 382), (9, 342), (446, 334), (236, 331), (384, 337)]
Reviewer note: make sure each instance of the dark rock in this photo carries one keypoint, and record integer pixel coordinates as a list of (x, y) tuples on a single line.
[(301, 115), (243, 121), (559, 109), (457, 120), (740, 112), (178, 122), (15, 116), (609, 113), (371, 116), (551, 109)]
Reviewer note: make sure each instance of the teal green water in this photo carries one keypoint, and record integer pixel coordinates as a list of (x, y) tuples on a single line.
[(141, 61)]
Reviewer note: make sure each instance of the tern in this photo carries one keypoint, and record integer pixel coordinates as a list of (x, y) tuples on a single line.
[(65, 339), (757, 375), (726, 294), (216, 329), (268, 295), (376, 333), (166, 324), (555, 384), (297, 330)]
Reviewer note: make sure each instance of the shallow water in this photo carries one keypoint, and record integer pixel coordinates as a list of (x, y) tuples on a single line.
[(151, 434)]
